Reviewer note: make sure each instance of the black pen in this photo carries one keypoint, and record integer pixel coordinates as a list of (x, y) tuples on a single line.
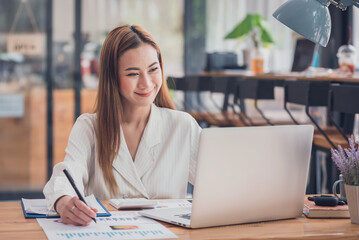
[(76, 190)]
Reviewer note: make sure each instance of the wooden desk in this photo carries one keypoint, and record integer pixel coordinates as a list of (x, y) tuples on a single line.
[(13, 225), (289, 76)]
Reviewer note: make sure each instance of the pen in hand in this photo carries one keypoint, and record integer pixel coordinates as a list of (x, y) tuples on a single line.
[(75, 188)]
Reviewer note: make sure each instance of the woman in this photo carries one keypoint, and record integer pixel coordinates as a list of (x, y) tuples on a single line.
[(134, 145)]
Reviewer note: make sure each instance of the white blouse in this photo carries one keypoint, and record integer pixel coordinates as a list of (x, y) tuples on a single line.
[(165, 160)]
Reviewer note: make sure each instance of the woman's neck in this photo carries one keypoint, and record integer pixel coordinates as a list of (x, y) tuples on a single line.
[(135, 116)]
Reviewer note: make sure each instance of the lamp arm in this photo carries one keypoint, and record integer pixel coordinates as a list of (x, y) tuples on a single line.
[(348, 3)]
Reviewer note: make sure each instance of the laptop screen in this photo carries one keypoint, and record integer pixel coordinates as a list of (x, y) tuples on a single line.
[(303, 55)]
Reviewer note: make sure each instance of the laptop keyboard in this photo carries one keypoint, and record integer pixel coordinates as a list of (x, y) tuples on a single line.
[(185, 216)]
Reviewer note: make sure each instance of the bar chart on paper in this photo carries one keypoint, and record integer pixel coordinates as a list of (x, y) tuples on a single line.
[(143, 234), (121, 225)]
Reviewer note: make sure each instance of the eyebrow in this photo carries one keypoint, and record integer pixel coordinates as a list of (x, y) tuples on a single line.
[(134, 68), (152, 64)]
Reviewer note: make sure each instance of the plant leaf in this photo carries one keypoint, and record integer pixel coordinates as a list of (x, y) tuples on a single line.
[(266, 37), (248, 25), (242, 29)]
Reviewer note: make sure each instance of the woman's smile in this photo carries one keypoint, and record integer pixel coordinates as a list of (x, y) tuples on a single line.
[(146, 94)]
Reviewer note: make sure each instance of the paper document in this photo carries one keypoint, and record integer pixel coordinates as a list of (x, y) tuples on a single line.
[(38, 206), (121, 225)]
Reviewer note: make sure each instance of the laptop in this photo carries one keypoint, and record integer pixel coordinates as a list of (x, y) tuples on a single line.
[(303, 55), (244, 175)]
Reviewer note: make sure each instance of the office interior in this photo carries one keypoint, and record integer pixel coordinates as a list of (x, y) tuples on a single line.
[(44, 87)]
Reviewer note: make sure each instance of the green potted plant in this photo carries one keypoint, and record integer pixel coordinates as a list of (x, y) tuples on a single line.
[(347, 161), (256, 28)]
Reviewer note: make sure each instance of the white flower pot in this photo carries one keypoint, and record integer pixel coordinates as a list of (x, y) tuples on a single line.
[(352, 193)]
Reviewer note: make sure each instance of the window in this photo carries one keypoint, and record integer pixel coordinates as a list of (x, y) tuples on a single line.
[(223, 16)]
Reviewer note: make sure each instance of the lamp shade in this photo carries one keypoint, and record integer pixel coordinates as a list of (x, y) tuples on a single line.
[(309, 18)]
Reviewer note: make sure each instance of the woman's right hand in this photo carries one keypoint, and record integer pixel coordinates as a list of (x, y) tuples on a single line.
[(73, 211)]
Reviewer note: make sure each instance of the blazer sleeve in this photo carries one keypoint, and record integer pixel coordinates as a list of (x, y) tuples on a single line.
[(79, 153), (195, 136)]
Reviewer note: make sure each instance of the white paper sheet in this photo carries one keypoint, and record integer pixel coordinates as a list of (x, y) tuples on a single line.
[(121, 225), (39, 206)]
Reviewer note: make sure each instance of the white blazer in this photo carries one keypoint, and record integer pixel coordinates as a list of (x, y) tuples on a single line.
[(165, 160)]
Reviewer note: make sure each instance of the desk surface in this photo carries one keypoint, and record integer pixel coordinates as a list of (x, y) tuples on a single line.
[(289, 76), (13, 225)]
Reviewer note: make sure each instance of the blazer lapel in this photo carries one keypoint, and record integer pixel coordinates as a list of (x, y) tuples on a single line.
[(125, 167), (145, 157)]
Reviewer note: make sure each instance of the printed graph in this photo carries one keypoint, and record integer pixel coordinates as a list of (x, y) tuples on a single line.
[(111, 235), (121, 225)]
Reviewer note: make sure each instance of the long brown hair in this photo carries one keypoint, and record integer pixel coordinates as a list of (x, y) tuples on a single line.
[(108, 104)]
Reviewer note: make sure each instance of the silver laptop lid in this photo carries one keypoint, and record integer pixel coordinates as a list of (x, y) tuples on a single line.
[(250, 174)]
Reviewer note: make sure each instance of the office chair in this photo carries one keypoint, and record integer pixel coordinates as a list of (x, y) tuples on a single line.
[(224, 117), (178, 84), (200, 92), (195, 102), (217, 115), (188, 87), (203, 86), (316, 94), (258, 90), (311, 94), (341, 99)]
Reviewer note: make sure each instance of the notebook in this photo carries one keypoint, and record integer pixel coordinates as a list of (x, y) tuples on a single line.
[(37, 208), (246, 174), (311, 210)]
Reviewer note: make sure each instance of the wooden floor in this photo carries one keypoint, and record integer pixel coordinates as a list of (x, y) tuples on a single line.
[(23, 140)]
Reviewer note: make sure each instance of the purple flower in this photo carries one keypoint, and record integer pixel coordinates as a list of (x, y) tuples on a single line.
[(337, 160), (347, 161)]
